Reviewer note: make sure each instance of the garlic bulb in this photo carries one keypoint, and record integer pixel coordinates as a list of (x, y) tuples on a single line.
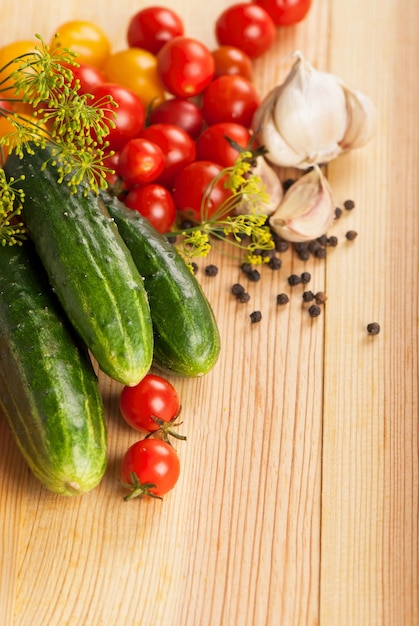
[(312, 117), (307, 209), (272, 187)]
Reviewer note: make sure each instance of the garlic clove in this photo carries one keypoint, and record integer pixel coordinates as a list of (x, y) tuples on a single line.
[(361, 119), (272, 187), (310, 113), (267, 134), (307, 209)]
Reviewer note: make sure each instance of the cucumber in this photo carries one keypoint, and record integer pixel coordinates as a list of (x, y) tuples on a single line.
[(89, 268), (48, 388), (186, 337)]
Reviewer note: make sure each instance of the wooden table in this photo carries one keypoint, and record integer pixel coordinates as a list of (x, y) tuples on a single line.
[(298, 499)]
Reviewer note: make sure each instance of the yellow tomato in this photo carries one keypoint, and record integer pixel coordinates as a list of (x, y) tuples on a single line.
[(6, 127), (7, 54), (86, 39), (136, 69)]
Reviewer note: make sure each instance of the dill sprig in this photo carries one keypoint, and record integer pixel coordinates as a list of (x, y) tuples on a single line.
[(247, 232), (12, 230), (72, 123)]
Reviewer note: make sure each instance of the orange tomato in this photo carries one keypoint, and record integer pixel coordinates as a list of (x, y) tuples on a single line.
[(136, 69), (6, 127), (86, 39), (7, 54)]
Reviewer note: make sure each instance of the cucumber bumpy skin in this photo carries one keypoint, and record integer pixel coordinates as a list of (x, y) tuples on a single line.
[(89, 268), (48, 388), (186, 337)]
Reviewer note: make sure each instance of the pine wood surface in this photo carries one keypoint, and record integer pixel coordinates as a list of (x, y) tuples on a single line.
[(297, 503)]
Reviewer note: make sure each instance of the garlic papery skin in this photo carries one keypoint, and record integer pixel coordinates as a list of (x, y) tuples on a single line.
[(307, 209), (272, 188), (311, 118)]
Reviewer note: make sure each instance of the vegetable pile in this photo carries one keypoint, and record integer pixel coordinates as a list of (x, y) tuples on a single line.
[(118, 170)]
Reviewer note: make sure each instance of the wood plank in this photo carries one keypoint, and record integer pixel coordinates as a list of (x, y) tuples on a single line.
[(297, 503)]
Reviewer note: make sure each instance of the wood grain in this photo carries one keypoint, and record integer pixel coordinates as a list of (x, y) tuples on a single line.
[(298, 499)]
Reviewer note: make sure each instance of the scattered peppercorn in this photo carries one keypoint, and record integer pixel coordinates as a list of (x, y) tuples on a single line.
[(294, 279), (305, 277), (313, 246), (256, 316), (194, 267), (320, 297), (322, 240), (332, 241), (373, 328), (243, 297), (211, 270), (320, 253), (349, 205), (237, 289), (282, 298), (253, 275), (275, 263), (351, 235), (308, 296), (314, 310), (338, 213), (246, 267)]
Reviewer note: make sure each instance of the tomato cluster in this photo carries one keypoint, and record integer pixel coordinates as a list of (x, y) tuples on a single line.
[(151, 466), (176, 102)]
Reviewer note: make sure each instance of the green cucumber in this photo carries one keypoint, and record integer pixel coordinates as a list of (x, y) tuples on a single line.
[(48, 388), (186, 337), (89, 268)]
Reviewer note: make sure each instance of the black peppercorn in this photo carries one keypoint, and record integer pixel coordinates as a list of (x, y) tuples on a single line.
[(373, 328), (349, 205), (338, 212), (314, 310), (253, 275), (256, 316), (305, 277), (332, 241), (237, 289), (194, 267), (351, 235), (294, 279), (243, 297), (308, 296), (320, 297), (320, 253), (211, 270), (282, 298), (247, 267), (275, 263)]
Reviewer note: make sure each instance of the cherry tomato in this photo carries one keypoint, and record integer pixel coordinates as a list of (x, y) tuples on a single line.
[(212, 145), (177, 146), (7, 54), (140, 161), (155, 203), (179, 112), (88, 76), (136, 69), (154, 396), (285, 12), (156, 466), (86, 39), (150, 28), (193, 197), (231, 60), (186, 66), (128, 116), (230, 99), (246, 26)]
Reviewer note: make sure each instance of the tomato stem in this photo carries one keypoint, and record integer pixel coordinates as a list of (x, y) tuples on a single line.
[(139, 489)]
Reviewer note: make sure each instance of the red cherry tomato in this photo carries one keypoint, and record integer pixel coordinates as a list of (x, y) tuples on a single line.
[(89, 77), (155, 203), (177, 146), (246, 26), (213, 145), (230, 99), (140, 161), (193, 196), (153, 397), (156, 466), (128, 116), (285, 12), (150, 28), (186, 66), (232, 60), (179, 112)]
